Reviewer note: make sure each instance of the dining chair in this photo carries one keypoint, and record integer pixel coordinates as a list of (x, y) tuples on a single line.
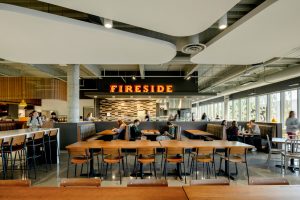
[(206, 156), (290, 152), (145, 156), (235, 155), (112, 156), (272, 150), (78, 156), (174, 155)]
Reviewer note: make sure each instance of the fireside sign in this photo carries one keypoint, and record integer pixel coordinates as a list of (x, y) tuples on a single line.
[(141, 88)]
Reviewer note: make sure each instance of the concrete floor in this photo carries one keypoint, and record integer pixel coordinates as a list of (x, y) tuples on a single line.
[(256, 162)]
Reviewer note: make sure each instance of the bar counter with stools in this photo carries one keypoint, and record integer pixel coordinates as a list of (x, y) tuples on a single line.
[(24, 149)]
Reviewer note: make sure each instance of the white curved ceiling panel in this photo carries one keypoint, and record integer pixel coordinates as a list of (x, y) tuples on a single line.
[(30, 36), (272, 32), (172, 17)]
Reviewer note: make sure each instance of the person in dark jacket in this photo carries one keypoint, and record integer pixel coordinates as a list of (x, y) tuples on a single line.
[(232, 132), (135, 132)]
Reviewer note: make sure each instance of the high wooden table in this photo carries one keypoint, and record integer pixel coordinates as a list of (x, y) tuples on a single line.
[(45, 193), (262, 192)]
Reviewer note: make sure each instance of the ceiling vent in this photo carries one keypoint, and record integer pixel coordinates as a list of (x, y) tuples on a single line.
[(190, 45)]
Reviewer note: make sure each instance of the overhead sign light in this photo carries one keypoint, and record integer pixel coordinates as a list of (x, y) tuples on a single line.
[(141, 88)]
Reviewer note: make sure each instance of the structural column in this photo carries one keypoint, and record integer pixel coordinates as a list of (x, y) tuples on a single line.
[(226, 100), (73, 93)]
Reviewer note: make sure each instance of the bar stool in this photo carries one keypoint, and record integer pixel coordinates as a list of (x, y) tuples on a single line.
[(145, 156), (16, 146), (206, 156), (78, 156), (175, 155), (52, 138), (36, 148), (113, 156)]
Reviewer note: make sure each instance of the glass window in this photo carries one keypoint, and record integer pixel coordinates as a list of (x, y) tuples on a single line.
[(215, 111), (221, 110), (290, 102), (275, 107), (210, 111), (244, 105), (252, 108), (236, 110), (262, 109), (230, 111)]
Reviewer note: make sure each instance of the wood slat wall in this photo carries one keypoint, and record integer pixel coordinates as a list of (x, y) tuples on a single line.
[(32, 88)]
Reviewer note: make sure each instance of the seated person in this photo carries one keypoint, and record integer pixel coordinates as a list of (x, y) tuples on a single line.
[(255, 131), (120, 130), (135, 132), (232, 132), (167, 132)]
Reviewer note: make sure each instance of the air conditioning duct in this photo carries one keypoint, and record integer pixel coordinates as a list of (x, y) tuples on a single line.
[(190, 45)]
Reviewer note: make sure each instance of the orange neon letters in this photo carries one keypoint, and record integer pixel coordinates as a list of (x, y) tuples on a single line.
[(140, 88)]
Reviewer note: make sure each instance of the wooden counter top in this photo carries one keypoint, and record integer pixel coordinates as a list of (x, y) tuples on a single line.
[(125, 193), (28, 132), (261, 192)]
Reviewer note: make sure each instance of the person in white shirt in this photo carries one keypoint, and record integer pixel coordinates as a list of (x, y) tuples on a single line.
[(255, 131), (292, 125), (90, 117), (34, 121)]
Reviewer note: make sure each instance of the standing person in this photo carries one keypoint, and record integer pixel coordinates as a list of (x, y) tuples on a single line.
[(292, 125), (204, 117), (34, 121), (89, 117), (147, 117), (135, 132), (224, 125), (53, 117), (232, 132), (255, 131)]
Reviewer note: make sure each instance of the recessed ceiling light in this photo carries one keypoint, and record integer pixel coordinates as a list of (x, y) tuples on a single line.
[(133, 78), (108, 23), (95, 97), (223, 22), (188, 78)]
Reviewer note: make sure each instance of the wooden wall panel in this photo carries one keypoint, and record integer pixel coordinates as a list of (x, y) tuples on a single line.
[(32, 88)]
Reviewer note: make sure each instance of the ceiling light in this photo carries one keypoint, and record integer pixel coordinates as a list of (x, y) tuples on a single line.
[(95, 97), (23, 103), (133, 78), (108, 23), (188, 78), (223, 22)]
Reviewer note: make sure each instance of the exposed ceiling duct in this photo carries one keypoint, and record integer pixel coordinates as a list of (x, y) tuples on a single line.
[(289, 73), (190, 45)]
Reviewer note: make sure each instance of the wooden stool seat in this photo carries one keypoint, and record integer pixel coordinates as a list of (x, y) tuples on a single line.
[(79, 160), (204, 158), (147, 183), (221, 181), (268, 181), (174, 159), (80, 182), (15, 183)]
